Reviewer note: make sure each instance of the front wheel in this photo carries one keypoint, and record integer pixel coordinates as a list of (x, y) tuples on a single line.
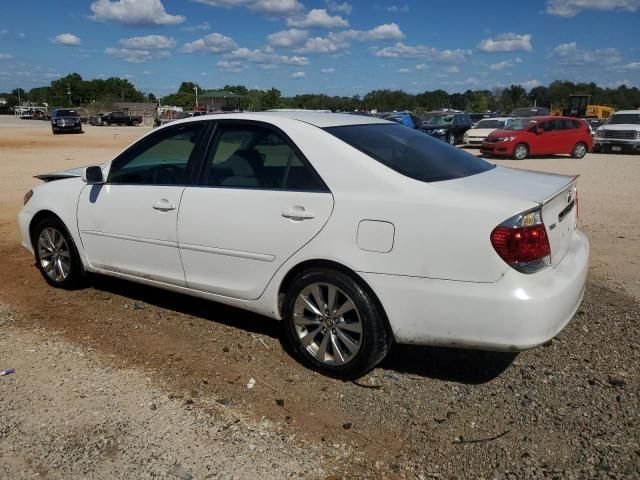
[(333, 325), (135, 123), (520, 152), (579, 151), (105, 123), (56, 255), (451, 139)]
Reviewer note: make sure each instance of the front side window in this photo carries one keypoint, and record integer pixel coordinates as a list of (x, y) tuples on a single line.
[(160, 159), (253, 156), (411, 153)]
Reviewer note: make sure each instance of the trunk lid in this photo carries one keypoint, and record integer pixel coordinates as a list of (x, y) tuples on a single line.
[(525, 189)]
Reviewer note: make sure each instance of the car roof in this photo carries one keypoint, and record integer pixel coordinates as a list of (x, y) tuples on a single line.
[(633, 112), (318, 119)]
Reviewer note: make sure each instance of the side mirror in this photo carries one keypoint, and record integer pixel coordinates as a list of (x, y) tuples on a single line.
[(539, 131), (92, 175)]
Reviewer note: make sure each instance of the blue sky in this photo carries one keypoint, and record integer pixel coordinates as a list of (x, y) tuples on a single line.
[(338, 47)]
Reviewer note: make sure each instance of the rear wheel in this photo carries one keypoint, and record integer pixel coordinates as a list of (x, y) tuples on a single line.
[(105, 123), (56, 255), (520, 152), (333, 325), (579, 151), (135, 123)]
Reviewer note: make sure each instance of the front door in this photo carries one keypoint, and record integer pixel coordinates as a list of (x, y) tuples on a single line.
[(128, 224), (258, 203)]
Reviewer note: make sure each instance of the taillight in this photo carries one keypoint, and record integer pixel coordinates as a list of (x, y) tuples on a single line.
[(522, 242)]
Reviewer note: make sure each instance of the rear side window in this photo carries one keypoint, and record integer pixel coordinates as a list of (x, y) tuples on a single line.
[(410, 152)]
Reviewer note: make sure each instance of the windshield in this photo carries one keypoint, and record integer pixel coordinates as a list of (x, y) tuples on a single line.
[(520, 123), (621, 118), (66, 113), (411, 153), (440, 120), (489, 124)]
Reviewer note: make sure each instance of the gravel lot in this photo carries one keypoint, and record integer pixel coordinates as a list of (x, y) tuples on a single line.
[(122, 381)]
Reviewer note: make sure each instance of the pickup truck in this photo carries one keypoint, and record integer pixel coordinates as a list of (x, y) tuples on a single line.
[(620, 133), (119, 118)]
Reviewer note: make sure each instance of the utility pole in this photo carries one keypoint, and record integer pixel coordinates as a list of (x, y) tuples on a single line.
[(69, 92), (196, 87)]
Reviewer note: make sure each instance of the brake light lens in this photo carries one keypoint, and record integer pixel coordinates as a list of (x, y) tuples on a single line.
[(522, 242)]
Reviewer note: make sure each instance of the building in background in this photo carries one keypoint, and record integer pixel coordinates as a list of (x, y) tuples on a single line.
[(219, 101)]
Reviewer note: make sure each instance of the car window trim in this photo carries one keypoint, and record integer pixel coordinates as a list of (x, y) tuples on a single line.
[(191, 162), (202, 170)]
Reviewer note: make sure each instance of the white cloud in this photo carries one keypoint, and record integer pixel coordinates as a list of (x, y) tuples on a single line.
[(148, 42), (318, 18), (320, 45), (619, 83), (135, 55), (398, 9), (262, 57), (288, 38), (5, 56), (529, 84), (227, 66), (468, 81), (570, 8), (505, 64), (212, 43), (570, 54), (270, 7), (68, 39), (335, 7), (134, 12), (298, 75), (384, 32), (507, 42), (421, 67), (627, 67), (328, 70), (400, 50), (194, 28), (452, 69)]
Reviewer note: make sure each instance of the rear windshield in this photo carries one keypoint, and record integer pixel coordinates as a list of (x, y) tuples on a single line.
[(622, 118), (441, 120), (410, 152), (489, 124), (66, 113)]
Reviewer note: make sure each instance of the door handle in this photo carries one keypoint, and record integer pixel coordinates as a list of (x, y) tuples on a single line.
[(164, 205), (298, 213)]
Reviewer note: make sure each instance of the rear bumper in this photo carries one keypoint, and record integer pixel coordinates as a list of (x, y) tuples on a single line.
[(518, 312)]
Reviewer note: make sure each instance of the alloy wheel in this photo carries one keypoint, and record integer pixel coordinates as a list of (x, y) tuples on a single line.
[(54, 254), (327, 324), (580, 151), (521, 152)]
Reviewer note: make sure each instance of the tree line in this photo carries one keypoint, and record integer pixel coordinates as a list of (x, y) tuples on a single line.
[(72, 90)]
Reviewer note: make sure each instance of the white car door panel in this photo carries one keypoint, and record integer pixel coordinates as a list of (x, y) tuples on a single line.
[(122, 230), (232, 241), (128, 225), (258, 203)]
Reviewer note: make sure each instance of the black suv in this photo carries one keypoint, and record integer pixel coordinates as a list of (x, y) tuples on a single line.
[(449, 127), (65, 120)]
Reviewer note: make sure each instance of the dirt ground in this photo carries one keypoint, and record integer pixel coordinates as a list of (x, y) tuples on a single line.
[(123, 381)]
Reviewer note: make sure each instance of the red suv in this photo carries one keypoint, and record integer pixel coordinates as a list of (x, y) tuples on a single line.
[(540, 136)]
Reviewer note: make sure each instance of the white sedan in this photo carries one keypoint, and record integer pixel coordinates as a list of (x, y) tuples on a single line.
[(355, 231), (481, 130)]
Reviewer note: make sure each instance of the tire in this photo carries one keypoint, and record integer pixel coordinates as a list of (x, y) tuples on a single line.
[(135, 123), (105, 123), (579, 150), (51, 240), (521, 151), (451, 139), (350, 345), (55, 132)]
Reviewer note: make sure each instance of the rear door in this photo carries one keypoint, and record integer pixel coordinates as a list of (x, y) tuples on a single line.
[(258, 202), (128, 225)]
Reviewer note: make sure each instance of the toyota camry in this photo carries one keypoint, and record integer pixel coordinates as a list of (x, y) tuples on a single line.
[(354, 231)]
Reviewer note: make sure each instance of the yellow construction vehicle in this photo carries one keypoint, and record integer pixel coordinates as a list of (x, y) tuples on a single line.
[(579, 107)]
